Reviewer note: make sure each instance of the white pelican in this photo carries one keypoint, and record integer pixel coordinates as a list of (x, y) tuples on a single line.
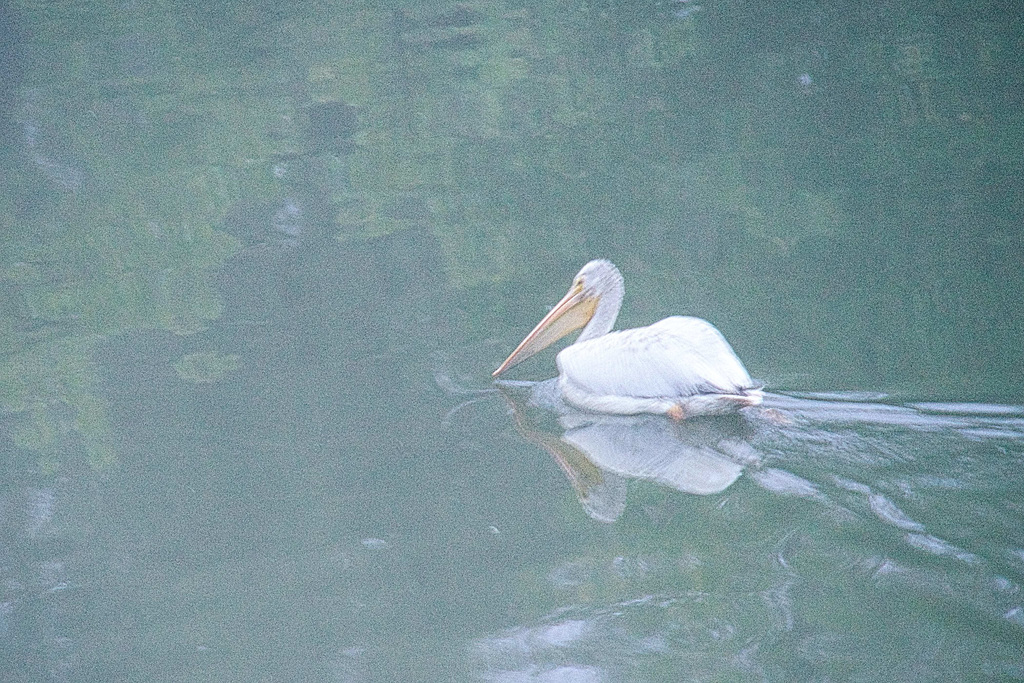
[(680, 366)]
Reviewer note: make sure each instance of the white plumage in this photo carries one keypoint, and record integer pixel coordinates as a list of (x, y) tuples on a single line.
[(680, 366)]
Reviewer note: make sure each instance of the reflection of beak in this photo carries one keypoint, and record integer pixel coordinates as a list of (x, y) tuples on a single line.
[(571, 313)]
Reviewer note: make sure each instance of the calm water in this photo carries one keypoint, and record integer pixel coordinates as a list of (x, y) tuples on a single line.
[(258, 260)]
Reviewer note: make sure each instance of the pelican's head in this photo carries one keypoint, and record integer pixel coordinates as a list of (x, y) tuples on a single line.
[(592, 301)]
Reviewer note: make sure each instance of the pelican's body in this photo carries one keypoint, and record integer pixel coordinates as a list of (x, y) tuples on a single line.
[(680, 366)]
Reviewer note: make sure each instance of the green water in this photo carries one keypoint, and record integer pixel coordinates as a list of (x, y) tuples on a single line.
[(257, 262)]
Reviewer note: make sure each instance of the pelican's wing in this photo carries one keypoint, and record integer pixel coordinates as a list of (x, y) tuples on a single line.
[(676, 357)]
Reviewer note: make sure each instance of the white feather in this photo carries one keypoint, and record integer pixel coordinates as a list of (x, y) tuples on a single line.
[(670, 362)]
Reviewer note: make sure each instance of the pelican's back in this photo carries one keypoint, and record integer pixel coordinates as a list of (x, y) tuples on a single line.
[(673, 358)]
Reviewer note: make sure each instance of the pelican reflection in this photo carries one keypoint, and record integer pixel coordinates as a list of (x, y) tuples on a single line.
[(599, 453)]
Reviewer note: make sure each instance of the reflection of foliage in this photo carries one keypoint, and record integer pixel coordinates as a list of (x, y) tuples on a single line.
[(108, 221), (51, 386), (206, 367), (460, 105)]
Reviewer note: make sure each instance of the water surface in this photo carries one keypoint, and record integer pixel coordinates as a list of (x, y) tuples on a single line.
[(258, 262)]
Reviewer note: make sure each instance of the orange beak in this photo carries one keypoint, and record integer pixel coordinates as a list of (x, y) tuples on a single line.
[(570, 314)]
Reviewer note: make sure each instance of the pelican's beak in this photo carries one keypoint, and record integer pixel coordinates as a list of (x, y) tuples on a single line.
[(571, 313)]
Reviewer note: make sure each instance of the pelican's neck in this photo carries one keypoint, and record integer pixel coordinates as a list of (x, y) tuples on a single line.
[(609, 290)]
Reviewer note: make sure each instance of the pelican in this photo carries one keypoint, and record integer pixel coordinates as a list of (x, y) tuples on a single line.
[(680, 366)]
